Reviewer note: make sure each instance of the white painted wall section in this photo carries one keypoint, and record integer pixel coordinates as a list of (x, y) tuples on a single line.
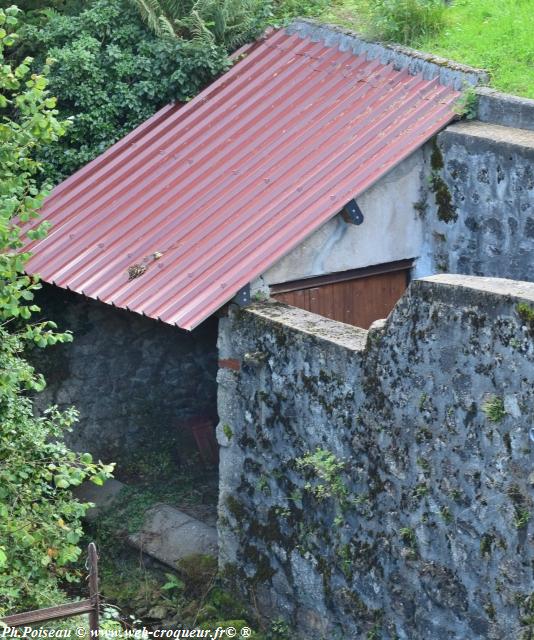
[(392, 230)]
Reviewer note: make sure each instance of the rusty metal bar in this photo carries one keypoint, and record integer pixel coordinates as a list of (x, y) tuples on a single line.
[(94, 595), (90, 605), (52, 613)]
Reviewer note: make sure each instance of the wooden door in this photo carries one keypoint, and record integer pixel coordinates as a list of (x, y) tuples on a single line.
[(358, 297)]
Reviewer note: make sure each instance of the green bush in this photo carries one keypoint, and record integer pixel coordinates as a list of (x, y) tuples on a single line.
[(229, 23), (405, 21), (39, 518), (111, 74), (115, 64)]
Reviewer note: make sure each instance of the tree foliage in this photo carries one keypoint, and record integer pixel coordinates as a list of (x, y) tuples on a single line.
[(39, 518), (111, 74), (116, 64), (225, 22)]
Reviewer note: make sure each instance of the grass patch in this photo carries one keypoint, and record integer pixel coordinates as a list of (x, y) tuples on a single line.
[(196, 494), (526, 313), (401, 21), (144, 593), (493, 35), (490, 34)]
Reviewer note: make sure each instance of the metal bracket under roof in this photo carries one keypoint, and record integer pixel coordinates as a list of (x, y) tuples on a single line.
[(352, 213), (242, 297)]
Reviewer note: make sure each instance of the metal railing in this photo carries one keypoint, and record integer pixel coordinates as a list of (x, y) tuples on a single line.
[(91, 605)]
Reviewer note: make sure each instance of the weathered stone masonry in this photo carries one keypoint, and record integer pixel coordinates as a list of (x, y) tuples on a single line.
[(419, 524), (133, 379), (478, 205)]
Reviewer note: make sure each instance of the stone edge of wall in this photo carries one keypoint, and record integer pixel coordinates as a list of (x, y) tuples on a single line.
[(449, 72), (300, 320), (452, 288), (486, 133), (505, 109), (494, 106)]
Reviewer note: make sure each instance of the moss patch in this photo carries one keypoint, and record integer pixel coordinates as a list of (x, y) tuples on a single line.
[(526, 313), (494, 409)]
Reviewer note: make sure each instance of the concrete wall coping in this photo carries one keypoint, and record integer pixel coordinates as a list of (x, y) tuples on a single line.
[(505, 109), (339, 333), (451, 289), (497, 133), (497, 288), (450, 73)]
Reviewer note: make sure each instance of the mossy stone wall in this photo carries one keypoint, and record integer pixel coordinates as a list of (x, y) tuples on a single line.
[(379, 484), (133, 379), (478, 203)]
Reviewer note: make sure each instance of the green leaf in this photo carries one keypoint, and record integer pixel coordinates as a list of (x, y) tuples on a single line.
[(61, 482)]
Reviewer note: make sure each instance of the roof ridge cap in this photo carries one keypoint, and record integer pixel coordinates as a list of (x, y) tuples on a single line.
[(449, 72)]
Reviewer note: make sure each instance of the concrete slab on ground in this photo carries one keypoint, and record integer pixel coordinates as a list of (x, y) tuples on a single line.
[(169, 535)]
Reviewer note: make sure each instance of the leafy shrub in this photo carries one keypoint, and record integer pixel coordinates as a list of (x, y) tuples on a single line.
[(405, 21), (39, 519), (111, 74), (229, 23), (226, 22), (325, 471)]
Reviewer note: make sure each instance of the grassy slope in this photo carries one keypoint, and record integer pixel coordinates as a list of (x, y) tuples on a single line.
[(497, 35)]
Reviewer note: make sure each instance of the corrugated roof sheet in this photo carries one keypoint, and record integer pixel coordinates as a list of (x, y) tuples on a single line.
[(173, 220)]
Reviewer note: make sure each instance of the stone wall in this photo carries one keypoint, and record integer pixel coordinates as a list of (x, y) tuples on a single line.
[(504, 109), (133, 379), (379, 484), (478, 205), (449, 72)]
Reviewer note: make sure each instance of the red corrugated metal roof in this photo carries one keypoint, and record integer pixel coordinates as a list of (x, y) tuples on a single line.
[(206, 197)]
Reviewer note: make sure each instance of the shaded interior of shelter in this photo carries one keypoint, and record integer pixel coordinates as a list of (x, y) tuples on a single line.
[(145, 390)]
